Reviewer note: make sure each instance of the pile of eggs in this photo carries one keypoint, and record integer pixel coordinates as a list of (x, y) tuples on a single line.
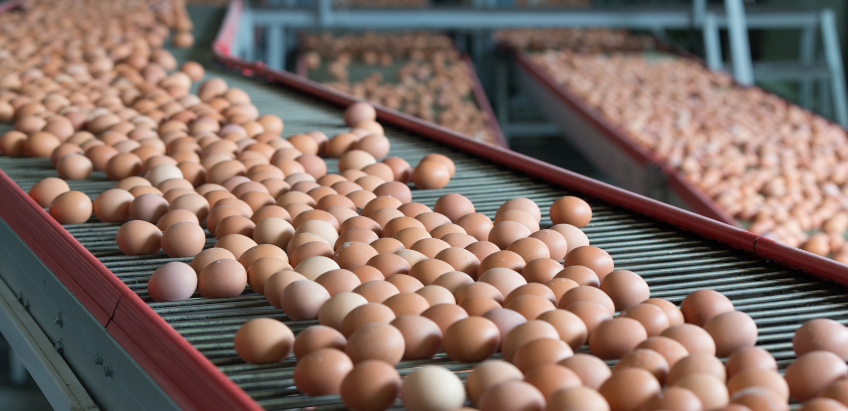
[(433, 85), (763, 160)]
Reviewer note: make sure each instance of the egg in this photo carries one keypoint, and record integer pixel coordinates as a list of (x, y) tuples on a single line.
[(676, 398), (675, 316), (302, 299), (750, 358), (370, 385), (625, 288), (321, 372), (591, 370), (222, 278), (768, 379), (74, 167), (580, 275), (692, 337), (47, 189), (430, 175), (627, 389), (236, 244), (670, 349), (822, 404), (202, 259), (71, 207), (647, 360), (577, 398), (183, 239), (613, 339), (138, 238), (472, 339), (700, 306), (821, 334), (263, 340), (592, 257), (148, 207), (376, 341), (709, 389), (432, 388), (571, 210), (592, 314), (650, 316), (444, 315), (731, 331), (512, 395), (173, 281), (365, 314), (757, 399), (812, 372), (539, 352)]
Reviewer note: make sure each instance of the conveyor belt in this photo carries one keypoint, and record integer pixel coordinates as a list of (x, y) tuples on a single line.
[(673, 262)]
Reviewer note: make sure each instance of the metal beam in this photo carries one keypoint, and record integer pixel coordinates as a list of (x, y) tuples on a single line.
[(49, 370), (740, 48), (833, 56)]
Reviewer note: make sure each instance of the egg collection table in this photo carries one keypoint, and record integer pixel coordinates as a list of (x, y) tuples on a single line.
[(132, 353)]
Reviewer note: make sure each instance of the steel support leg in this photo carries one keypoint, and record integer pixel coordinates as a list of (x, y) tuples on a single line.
[(833, 56), (807, 56), (502, 95), (740, 48), (699, 12), (17, 371), (712, 43), (275, 47)]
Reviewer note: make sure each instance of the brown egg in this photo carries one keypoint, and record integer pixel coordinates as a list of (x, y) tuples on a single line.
[(822, 404), (762, 378), (694, 338), (837, 391), (592, 257), (525, 333), (274, 231), (696, 363), (422, 336), (711, 391), (554, 241), (302, 299), (521, 204), (202, 259), (541, 352), (263, 341), (580, 275), (261, 270), (570, 328), (365, 314), (253, 254), (173, 281), (321, 372), (504, 279), (570, 210), (400, 168), (626, 288), (41, 144), (407, 304), (477, 306), (460, 259), (476, 224), (627, 389), (812, 372), (519, 217), (749, 358), (675, 316), (530, 305), (371, 385), (277, 282), (337, 307), (313, 267), (405, 283), (236, 244), (183, 239), (673, 398), (512, 395), (376, 341), (444, 315), (222, 278), (577, 398), (821, 334), (506, 232), (316, 337), (148, 207), (732, 331), (647, 360), (550, 378), (367, 273), (613, 339), (432, 388), (430, 175), (592, 314), (540, 270), (123, 165), (338, 281), (435, 294), (168, 219), (587, 294), (453, 206), (71, 207), (505, 319), (47, 189), (74, 167), (591, 370), (759, 399), (650, 316), (506, 259), (699, 306), (12, 144), (670, 349), (489, 374), (560, 286)]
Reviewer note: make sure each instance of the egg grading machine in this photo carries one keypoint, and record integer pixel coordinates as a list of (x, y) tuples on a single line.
[(129, 352), (479, 95)]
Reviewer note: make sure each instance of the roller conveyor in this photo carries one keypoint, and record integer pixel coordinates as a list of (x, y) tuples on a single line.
[(180, 355)]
